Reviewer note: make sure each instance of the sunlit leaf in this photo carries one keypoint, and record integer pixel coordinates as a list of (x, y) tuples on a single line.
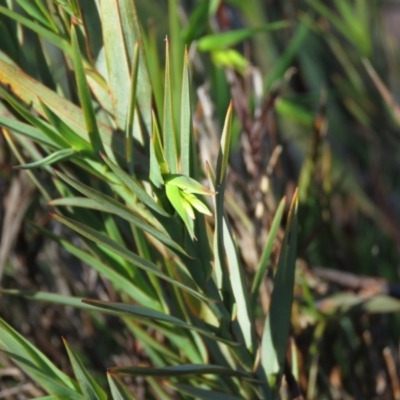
[(266, 254), (120, 209), (135, 187), (186, 132), (129, 125), (180, 205), (119, 76), (277, 324), (169, 129), (85, 97), (186, 184), (196, 203)]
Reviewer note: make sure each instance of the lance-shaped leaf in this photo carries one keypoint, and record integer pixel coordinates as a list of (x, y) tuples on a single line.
[(129, 125), (186, 132), (116, 58), (135, 187), (27, 130), (115, 207), (196, 203), (35, 363), (32, 92), (85, 97), (90, 388), (34, 120), (40, 13), (223, 156), (132, 35), (203, 394), (239, 290), (47, 297), (64, 130), (48, 383), (198, 22), (158, 163), (60, 155), (42, 31), (184, 370), (118, 390), (265, 256), (121, 278), (169, 131), (277, 324), (220, 41), (186, 184), (147, 313), (128, 255), (181, 206)]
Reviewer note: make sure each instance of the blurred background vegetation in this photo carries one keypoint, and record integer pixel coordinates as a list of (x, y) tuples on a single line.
[(315, 106)]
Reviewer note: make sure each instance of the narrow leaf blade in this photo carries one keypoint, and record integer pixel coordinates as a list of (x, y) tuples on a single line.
[(277, 324), (90, 388), (85, 97)]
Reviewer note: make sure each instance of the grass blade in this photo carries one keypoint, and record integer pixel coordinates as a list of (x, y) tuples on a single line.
[(85, 97), (118, 390), (122, 277), (52, 37), (277, 324), (64, 130), (14, 343), (132, 34), (33, 93), (239, 290), (51, 385), (220, 41), (203, 394), (144, 264), (35, 121), (148, 313), (57, 156), (263, 264), (115, 207), (129, 125), (116, 59), (198, 22), (169, 131), (183, 370), (186, 132), (90, 388), (135, 187), (223, 157)]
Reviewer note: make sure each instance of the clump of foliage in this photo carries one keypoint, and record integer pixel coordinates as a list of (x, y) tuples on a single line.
[(176, 239)]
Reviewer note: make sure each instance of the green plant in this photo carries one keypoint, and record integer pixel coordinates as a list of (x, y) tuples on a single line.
[(127, 182), (287, 94)]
